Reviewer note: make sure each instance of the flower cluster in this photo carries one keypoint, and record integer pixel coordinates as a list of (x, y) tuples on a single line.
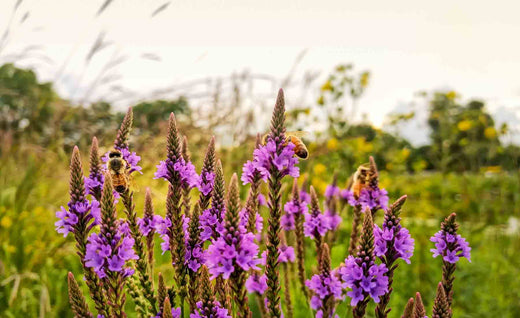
[(103, 255), (355, 275), (147, 224), (393, 238), (315, 224), (194, 255), (368, 198), (176, 313), (229, 251), (450, 246), (94, 183), (69, 218), (292, 208), (205, 182), (259, 221), (186, 170), (333, 219), (286, 254), (217, 311), (332, 191), (256, 283), (324, 286), (266, 157)]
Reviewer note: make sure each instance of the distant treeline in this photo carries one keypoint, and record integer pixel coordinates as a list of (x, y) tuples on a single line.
[(463, 137)]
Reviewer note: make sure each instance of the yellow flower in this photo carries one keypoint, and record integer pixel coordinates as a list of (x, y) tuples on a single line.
[(6, 222), (319, 168), (490, 132), (451, 95), (319, 184), (327, 87), (332, 144), (464, 125), (405, 153)]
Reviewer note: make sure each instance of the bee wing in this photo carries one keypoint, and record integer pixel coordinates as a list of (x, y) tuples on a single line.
[(299, 133)]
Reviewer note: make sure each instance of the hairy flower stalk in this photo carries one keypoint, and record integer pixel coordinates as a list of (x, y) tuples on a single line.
[(124, 130), (441, 308), (392, 242), (94, 182), (208, 306), (418, 307), (451, 246), (298, 209), (361, 274), (194, 257), (408, 309), (234, 252), (77, 301), (325, 286), (316, 225), (163, 292), (79, 219), (277, 159), (108, 251)]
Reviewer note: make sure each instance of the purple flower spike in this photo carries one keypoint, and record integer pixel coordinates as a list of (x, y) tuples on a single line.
[(450, 246), (266, 158)]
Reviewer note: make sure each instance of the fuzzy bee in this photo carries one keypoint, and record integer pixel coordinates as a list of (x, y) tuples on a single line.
[(360, 179), (118, 168), (300, 150)]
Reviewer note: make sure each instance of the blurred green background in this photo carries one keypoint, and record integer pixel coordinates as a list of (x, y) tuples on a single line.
[(465, 169)]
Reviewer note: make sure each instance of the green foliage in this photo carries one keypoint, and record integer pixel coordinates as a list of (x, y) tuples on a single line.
[(25, 104), (462, 137)]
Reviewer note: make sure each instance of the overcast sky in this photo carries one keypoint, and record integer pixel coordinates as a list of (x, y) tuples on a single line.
[(470, 46)]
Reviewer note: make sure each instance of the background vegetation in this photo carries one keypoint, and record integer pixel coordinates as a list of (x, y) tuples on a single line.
[(465, 168)]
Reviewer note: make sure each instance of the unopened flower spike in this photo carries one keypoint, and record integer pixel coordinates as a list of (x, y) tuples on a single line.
[(418, 307), (408, 309), (207, 176), (316, 225), (441, 308), (94, 182), (77, 301)]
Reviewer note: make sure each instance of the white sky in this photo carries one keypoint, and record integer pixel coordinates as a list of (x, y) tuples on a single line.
[(471, 46)]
